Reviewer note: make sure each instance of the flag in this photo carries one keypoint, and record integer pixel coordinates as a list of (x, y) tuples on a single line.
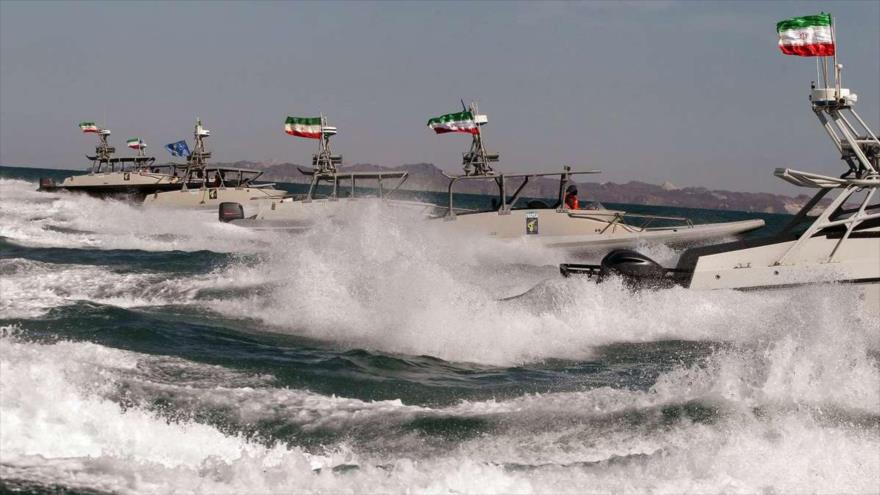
[(808, 36), (136, 144), (88, 127), (307, 127), (179, 148), (201, 131), (454, 122)]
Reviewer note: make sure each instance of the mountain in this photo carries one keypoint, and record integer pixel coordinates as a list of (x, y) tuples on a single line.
[(427, 177)]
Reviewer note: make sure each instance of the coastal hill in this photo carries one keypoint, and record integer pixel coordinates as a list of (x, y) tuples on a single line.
[(427, 177)]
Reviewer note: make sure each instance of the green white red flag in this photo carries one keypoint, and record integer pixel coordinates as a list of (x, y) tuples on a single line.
[(136, 144), (306, 127), (454, 122), (808, 36), (88, 127)]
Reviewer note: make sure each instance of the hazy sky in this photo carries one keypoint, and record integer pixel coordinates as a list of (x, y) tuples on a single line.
[(696, 93)]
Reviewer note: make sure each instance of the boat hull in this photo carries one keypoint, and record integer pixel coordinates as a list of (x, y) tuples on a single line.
[(776, 263), (857, 261), (295, 215), (122, 185), (580, 233), (586, 233), (211, 197)]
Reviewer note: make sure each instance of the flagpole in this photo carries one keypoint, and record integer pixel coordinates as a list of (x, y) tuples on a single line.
[(836, 66), (825, 72)]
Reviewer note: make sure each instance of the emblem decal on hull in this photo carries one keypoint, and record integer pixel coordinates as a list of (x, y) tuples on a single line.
[(532, 223)]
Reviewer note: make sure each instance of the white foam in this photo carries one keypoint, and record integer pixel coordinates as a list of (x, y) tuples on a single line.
[(58, 426), (398, 287), (61, 219), (30, 288)]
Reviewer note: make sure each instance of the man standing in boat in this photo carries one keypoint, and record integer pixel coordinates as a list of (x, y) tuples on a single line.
[(571, 198)]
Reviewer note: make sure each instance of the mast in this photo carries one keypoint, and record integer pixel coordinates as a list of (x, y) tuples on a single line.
[(857, 143), (103, 152), (199, 156), (324, 161), (477, 161)]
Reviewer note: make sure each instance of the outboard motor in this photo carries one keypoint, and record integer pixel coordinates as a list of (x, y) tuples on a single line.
[(636, 269), (230, 211), (47, 184)]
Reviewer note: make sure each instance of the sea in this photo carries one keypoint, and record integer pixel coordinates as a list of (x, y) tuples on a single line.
[(156, 351)]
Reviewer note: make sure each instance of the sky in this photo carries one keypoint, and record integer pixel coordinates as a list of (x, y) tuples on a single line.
[(694, 93)]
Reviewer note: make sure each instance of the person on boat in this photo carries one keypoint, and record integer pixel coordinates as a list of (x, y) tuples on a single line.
[(571, 198)]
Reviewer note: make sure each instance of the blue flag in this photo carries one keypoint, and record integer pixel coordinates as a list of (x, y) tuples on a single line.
[(178, 149)]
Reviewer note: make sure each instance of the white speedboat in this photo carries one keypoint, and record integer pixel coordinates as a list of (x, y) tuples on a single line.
[(581, 232), (131, 177), (331, 193), (207, 186), (840, 245)]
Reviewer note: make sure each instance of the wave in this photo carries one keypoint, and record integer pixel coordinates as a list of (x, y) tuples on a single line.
[(386, 281), (87, 416)]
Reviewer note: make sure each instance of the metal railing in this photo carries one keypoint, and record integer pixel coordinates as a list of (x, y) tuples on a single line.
[(621, 217)]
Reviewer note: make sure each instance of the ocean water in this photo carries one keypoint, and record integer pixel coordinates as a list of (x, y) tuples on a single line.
[(148, 352)]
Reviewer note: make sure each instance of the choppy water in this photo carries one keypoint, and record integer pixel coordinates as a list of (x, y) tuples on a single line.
[(153, 353)]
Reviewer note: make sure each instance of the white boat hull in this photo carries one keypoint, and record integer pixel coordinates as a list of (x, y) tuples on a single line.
[(581, 232), (210, 198), (857, 261), (585, 232), (135, 184), (297, 215)]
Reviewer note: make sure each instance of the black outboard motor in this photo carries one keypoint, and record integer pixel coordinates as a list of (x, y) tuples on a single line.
[(636, 270), (230, 211), (47, 184)]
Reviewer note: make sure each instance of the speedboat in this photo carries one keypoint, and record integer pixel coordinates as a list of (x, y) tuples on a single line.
[(131, 177), (207, 186), (581, 232), (331, 192), (841, 244)]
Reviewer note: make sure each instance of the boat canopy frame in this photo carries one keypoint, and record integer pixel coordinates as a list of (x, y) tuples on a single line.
[(859, 148), (100, 164), (334, 178), (506, 205), (198, 174)]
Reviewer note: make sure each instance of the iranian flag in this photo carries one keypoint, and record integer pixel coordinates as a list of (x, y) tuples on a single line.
[(808, 36), (136, 143), (454, 122), (307, 127), (88, 127)]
